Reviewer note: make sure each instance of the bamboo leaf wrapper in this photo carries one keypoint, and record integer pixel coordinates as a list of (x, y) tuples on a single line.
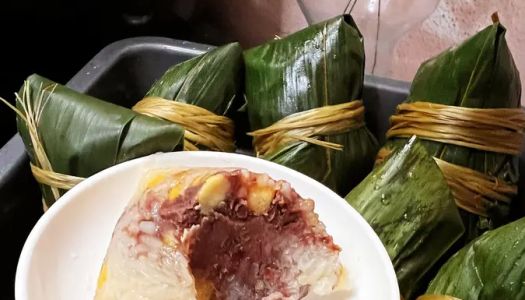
[(211, 80), (407, 202), (490, 267)]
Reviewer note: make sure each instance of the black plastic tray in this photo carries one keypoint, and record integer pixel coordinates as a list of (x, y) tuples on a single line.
[(121, 73)]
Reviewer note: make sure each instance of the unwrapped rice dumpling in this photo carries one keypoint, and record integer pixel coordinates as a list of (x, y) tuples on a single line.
[(303, 97), (206, 233)]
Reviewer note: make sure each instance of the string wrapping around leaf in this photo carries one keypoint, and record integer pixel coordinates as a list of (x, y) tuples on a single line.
[(497, 130), (202, 127), (308, 126)]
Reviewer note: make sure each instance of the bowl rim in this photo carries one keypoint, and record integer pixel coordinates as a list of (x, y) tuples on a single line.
[(23, 266)]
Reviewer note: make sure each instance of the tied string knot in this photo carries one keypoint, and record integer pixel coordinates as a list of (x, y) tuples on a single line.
[(310, 126), (498, 130), (201, 126)]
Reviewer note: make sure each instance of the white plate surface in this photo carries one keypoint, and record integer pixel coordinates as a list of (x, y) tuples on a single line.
[(63, 254)]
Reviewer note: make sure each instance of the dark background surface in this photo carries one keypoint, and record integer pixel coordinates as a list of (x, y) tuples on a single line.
[(55, 38)]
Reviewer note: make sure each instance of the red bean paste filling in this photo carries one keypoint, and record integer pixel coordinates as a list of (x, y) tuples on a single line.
[(235, 250)]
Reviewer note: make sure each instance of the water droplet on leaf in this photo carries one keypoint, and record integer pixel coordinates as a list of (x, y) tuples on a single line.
[(384, 199)]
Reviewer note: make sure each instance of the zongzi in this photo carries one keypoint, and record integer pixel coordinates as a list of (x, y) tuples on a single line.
[(198, 94), (207, 233), (490, 267), (464, 104), (408, 203), (303, 98), (69, 135)]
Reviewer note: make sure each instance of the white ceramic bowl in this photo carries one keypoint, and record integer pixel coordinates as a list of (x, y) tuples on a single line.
[(63, 254)]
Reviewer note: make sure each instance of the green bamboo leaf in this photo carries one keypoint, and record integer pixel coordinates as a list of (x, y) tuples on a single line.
[(210, 80), (318, 66), (479, 73), (82, 135), (490, 267), (407, 202)]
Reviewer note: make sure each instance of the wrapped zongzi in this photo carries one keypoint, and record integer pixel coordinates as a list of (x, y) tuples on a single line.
[(407, 202), (69, 135), (197, 94), (303, 94), (491, 267), (464, 104)]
